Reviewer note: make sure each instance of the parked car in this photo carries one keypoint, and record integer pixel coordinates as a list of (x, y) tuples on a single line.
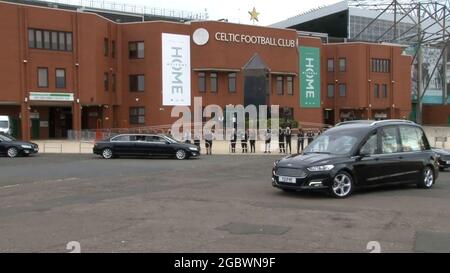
[(5, 125), (443, 158), (12, 148), (144, 145), (360, 153)]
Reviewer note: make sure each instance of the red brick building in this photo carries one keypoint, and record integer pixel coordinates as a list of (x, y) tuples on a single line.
[(66, 70)]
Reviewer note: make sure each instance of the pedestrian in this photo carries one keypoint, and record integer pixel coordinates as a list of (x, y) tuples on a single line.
[(288, 138), (244, 140), (197, 141), (268, 139), (300, 140), (252, 137), (310, 136), (281, 141), (233, 141), (208, 142), (187, 137)]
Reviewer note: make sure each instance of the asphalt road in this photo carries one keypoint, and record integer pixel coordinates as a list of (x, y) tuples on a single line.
[(212, 204)]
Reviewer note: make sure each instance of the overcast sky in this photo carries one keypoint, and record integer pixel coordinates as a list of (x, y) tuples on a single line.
[(271, 11)]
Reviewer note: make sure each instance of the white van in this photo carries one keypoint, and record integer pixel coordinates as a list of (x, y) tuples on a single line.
[(5, 125)]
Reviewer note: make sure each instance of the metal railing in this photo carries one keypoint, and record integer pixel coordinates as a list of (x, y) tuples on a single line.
[(129, 8)]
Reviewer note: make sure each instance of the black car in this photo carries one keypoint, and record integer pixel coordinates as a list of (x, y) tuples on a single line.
[(360, 153), (144, 145), (443, 158), (11, 147)]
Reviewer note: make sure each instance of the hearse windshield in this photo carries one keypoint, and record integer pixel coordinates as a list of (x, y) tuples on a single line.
[(338, 143)]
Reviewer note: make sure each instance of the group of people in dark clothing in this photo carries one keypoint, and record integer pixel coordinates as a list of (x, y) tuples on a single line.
[(304, 138), (248, 135)]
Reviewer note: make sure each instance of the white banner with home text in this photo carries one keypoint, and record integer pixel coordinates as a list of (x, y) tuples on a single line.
[(176, 61)]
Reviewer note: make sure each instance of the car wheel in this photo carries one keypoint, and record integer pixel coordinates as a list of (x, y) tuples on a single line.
[(342, 185), (427, 180), (107, 153), (12, 152), (180, 154)]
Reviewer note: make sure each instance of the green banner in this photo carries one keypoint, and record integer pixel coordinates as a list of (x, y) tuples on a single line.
[(309, 77)]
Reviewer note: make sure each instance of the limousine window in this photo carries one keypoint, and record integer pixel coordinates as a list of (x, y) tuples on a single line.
[(155, 139), (121, 138)]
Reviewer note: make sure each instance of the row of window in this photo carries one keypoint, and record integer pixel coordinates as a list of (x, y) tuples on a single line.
[(60, 77), (214, 82), (342, 65), (394, 140), (137, 114), (342, 90), (106, 48), (381, 65), (50, 40), (280, 85), (106, 82), (383, 93)]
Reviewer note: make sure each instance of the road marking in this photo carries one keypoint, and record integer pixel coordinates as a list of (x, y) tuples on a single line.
[(38, 182)]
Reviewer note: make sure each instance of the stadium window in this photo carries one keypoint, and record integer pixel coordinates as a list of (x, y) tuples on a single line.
[(384, 90), (137, 83), (290, 85), (38, 35), (201, 82), (136, 50), (54, 40), (68, 41), (342, 64), (113, 82), (61, 41), (214, 82), (330, 90), (106, 81), (330, 65), (60, 78), (42, 77), (232, 82), (137, 115), (376, 90), (342, 90), (46, 39), (280, 86), (31, 39), (106, 47)]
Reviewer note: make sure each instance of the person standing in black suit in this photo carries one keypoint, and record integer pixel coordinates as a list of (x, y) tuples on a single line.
[(268, 139), (233, 141), (310, 136), (281, 141), (208, 142), (252, 137), (300, 140), (244, 140), (288, 137)]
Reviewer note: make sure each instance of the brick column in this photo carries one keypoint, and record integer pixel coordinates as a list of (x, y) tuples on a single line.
[(25, 121)]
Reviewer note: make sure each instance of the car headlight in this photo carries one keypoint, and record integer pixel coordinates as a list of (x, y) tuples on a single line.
[(276, 163), (26, 146), (193, 149), (321, 168)]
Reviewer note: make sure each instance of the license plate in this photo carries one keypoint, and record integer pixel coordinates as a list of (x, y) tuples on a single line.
[(448, 162), (286, 179)]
